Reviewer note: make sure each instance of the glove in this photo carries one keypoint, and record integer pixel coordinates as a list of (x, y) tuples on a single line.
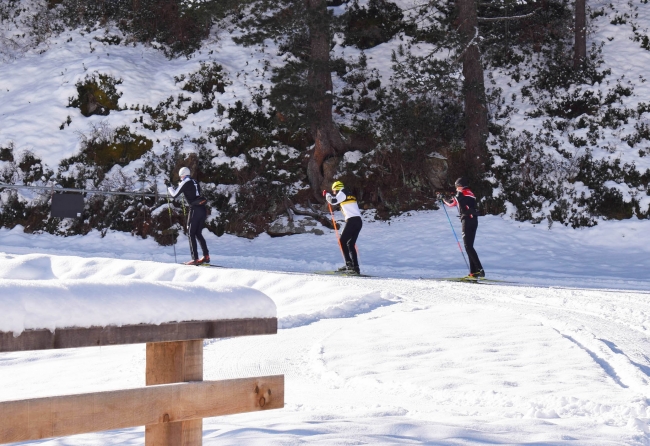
[(328, 197), (438, 196), (168, 183)]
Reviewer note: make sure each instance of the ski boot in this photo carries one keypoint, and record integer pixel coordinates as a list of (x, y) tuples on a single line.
[(205, 260), (194, 262), (476, 276), (349, 267)]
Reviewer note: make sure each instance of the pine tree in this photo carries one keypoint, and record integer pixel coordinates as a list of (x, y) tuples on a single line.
[(476, 130), (580, 50), (302, 94)]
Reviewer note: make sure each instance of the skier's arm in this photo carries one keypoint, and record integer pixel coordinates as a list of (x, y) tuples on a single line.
[(176, 192), (338, 198), (173, 192), (453, 203)]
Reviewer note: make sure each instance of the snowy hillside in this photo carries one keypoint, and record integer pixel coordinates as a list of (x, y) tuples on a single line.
[(579, 139), (36, 89)]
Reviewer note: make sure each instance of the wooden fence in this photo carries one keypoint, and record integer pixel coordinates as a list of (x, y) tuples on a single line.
[(173, 404)]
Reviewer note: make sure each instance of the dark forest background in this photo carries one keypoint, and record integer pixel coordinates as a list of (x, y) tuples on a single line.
[(442, 115)]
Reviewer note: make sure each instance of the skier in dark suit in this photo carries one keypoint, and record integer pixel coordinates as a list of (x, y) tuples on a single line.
[(191, 189)]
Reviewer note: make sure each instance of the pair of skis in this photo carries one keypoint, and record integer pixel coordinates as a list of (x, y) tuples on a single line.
[(347, 274), (324, 273), (203, 265), (466, 279)]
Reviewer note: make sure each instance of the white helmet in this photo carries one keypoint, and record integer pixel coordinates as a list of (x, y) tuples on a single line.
[(184, 172)]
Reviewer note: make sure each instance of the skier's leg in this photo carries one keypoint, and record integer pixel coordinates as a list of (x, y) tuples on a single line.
[(477, 262), (346, 235), (191, 233), (355, 224), (469, 234), (201, 215)]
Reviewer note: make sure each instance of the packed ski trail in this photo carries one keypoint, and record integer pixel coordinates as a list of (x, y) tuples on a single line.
[(611, 255), (387, 361)]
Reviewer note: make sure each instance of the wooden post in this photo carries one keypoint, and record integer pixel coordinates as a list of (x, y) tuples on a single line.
[(173, 362)]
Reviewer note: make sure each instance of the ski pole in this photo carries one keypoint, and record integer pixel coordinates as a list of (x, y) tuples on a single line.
[(171, 223), (336, 230), (454, 231)]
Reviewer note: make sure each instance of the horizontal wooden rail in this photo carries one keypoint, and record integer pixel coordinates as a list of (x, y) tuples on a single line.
[(40, 418), (135, 334)]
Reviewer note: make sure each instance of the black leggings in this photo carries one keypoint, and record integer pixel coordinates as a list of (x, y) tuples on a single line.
[(469, 234), (349, 239), (195, 223)]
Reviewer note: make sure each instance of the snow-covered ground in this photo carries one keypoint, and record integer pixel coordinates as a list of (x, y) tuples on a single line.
[(562, 356)]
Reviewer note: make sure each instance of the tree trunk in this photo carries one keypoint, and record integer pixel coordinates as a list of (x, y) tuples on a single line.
[(580, 51), (328, 141), (476, 120)]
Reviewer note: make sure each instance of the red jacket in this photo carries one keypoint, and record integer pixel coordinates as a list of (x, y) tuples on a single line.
[(466, 201)]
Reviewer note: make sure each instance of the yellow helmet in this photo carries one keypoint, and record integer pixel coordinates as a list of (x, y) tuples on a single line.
[(337, 185)]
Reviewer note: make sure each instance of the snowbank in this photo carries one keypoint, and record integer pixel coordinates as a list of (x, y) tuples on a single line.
[(33, 297)]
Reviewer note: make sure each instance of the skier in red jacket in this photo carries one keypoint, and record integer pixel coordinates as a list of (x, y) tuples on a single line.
[(466, 202)]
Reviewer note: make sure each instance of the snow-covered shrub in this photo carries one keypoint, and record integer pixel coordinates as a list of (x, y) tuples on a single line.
[(25, 25), (249, 155), (170, 114), (167, 115), (29, 208), (540, 179), (368, 26), (209, 80), (572, 158), (362, 95), (119, 213), (7, 153), (101, 149), (22, 167), (97, 95), (531, 178), (247, 130), (511, 43), (258, 203), (177, 25)]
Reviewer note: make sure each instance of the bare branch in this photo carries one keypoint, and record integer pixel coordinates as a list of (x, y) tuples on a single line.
[(322, 219), (502, 19), (471, 42)]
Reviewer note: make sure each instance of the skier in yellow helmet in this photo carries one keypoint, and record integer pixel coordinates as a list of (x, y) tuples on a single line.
[(353, 224)]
